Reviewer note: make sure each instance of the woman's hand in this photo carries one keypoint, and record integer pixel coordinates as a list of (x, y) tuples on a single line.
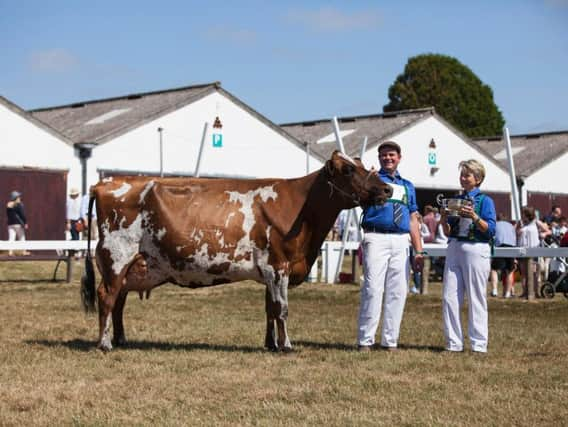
[(468, 212)]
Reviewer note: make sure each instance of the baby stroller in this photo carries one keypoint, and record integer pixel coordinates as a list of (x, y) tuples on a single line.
[(557, 280)]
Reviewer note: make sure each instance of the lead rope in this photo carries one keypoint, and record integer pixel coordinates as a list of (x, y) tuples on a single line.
[(353, 196)]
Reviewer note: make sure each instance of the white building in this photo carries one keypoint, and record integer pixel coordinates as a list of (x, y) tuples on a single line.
[(125, 134), (541, 162), (30, 143), (431, 150), (36, 161)]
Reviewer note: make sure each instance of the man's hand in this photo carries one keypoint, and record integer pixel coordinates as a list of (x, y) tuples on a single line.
[(418, 262)]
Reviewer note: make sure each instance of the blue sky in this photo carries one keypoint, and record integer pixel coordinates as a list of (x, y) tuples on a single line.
[(291, 61)]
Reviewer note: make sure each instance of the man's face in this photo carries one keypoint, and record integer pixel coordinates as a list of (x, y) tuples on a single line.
[(389, 159), (557, 212)]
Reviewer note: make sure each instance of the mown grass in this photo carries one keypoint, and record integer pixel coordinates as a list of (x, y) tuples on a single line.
[(195, 357)]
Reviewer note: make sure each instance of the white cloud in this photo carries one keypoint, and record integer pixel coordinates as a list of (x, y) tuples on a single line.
[(556, 3), (55, 60), (232, 35), (331, 19)]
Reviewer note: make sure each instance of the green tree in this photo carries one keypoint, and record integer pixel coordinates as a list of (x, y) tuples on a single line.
[(458, 95)]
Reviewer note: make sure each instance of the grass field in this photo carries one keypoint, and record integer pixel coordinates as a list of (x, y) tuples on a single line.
[(195, 357)]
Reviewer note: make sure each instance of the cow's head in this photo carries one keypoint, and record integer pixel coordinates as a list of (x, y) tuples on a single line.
[(353, 182)]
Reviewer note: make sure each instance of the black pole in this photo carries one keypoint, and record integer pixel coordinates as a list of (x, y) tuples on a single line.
[(83, 175), (84, 150)]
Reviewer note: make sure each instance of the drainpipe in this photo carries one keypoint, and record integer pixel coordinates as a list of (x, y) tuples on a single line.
[(84, 150)]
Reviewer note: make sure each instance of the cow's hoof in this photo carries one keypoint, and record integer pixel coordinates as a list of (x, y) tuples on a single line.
[(119, 342), (105, 346), (271, 348)]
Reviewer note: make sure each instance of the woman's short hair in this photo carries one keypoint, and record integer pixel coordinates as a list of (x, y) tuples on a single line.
[(528, 212), (475, 168)]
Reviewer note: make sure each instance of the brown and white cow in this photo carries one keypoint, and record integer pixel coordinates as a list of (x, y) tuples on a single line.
[(198, 232)]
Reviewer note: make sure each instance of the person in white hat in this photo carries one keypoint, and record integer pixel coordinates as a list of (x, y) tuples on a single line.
[(17, 222), (74, 214)]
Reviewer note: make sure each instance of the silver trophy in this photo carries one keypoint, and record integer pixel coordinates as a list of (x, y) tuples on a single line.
[(452, 205)]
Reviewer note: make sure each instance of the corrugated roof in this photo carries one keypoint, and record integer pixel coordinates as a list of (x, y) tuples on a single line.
[(111, 117), (530, 151), (99, 121), (376, 128)]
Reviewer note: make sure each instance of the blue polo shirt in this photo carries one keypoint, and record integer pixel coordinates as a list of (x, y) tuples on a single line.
[(486, 211), (505, 234), (380, 219)]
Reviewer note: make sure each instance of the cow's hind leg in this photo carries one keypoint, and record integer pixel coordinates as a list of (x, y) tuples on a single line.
[(119, 338), (106, 304)]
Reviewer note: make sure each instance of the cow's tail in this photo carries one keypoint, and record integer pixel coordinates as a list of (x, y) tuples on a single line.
[(88, 279)]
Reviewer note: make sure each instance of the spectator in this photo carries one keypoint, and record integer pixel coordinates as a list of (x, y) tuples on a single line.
[(441, 237), (468, 261), (545, 236), (505, 237), (554, 215), (562, 226), (438, 263), (93, 231), (417, 274), (527, 237), (564, 241), (74, 224), (17, 222), (430, 221)]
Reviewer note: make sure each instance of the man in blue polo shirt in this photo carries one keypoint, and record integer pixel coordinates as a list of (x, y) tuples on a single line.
[(385, 254)]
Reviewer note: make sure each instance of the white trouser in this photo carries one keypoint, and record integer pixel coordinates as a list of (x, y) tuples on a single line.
[(466, 272), (16, 232), (385, 261)]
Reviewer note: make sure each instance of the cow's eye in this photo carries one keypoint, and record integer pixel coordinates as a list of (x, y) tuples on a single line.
[(348, 170)]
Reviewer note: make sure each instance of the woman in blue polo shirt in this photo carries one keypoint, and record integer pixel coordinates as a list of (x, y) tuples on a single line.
[(468, 261)]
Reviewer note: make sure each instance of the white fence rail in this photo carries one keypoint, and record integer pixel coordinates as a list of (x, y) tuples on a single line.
[(331, 251), (45, 245)]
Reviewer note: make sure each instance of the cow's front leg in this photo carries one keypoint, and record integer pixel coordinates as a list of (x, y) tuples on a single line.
[(277, 311), (271, 314), (283, 339)]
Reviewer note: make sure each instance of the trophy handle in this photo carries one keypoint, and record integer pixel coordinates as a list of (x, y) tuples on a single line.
[(439, 198)]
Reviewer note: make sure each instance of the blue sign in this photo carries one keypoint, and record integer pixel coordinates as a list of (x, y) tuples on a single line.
[(218, 140), (432, 159)]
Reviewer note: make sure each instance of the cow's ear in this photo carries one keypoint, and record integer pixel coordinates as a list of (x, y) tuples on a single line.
[(329, 167)]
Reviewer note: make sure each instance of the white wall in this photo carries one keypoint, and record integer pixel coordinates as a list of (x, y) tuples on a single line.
[(250, 148), (450, 149), (550, 177), (25, 144)]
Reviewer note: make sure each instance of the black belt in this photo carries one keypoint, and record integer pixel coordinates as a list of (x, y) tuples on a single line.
[(372, 229)]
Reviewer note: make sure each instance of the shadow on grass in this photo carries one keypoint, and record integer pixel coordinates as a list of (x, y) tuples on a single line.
[(325, 345), (83, 345), (347, 347), (46, 281), (432, 348)]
